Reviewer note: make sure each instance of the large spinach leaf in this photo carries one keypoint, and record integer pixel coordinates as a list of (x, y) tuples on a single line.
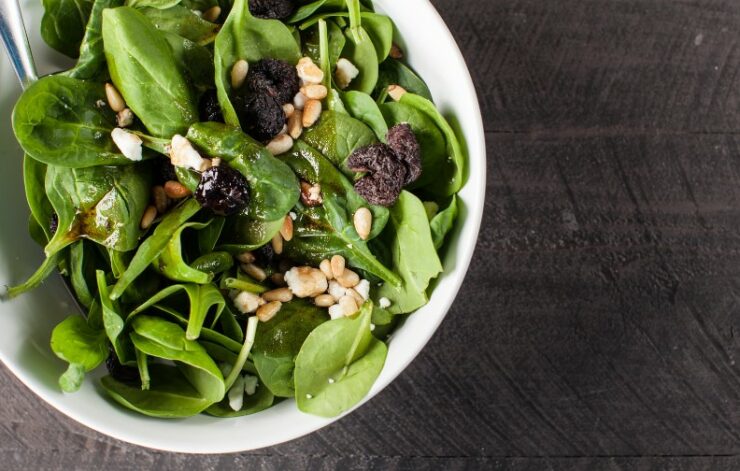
[(243, 234), (34, 176), (195, 61), (245, 37), (362, 106), (63, 24), (338, 364), (150, 249), (103, 204), (83, 347), (279, 340), (58, 121), (409, 239), (328, 229), (273, 187), (144, 70)]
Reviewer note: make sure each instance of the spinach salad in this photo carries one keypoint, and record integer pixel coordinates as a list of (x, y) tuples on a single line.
[(246, 198)]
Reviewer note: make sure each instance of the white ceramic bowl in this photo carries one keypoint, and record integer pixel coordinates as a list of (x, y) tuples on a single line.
[(26, 322)]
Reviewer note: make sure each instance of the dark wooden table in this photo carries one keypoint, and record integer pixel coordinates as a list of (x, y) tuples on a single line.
[(599, 326)]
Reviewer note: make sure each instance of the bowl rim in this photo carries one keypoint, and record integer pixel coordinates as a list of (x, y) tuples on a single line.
[(390, 372)]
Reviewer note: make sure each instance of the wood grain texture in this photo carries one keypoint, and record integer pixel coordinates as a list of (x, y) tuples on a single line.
[(598, 327)]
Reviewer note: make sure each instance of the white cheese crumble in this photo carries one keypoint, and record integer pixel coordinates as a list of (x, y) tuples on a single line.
[(129, 144)]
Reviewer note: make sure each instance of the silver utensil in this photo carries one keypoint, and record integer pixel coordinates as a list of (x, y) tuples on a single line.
[(15, 39)]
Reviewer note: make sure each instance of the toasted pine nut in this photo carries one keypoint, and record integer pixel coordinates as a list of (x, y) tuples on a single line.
[(325, 267), (348, 278), (239, 73), (396, 51), (254, 271), (161, 202), (287, 230), (212, 14), (357, 297), (215, 162), (337, 265), (311, 113), (176, 190), (268, 311), (314, 91), (396, 92), (277, 243), (324, 300), (363, 220), (125, 118), (308, 71), (278, 279), (295, 124), (148, 218), (280, 145), (246, 257), (299, 101), (283, 295), (115, 100), (288, 109)]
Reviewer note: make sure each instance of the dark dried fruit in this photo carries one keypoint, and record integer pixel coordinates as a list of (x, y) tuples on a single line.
[(260, 115), (386, 174), (402, 140), (223, 190), (209, 108), (264, 256), (164, 171), (275, 78), (53, 223), (271, 9), (122, 373)]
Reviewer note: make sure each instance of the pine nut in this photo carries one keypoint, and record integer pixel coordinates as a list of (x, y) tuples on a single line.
[(268, 311), (363, 289), (396, 52), (115, 100), (277, 243), (396, 92), (283, 295), (363, 220), (299, 101), (314, 92), (246, 257), (295, 124), (212, 14), (161, 202), (324, 300), (336, 290), (148, 218), (357, 297), (348, 304), (325, 267), (215, 162), (280, 145), (239, 73), (288, 109), (176, 190), (308, 71), (311, 113), (125, 118), (287, 230), (254, 271), (337, 265), (306, 282), (348, 278)]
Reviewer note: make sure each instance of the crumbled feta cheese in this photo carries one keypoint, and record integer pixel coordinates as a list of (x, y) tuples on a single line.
[(293, 215), (384, 303), (336, 312), (183, 154), (372, 327), (331, 380), (247, 302), (128, 143), (250, 384), (336, 290), (345, 73), (236, 394), (308, 396), (363, 289), (306, 281)]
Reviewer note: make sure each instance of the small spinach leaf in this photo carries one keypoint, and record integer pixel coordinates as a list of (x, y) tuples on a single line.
[(83, 347), (336, 136), (63, 24), (34, 176), (259, 401), (443, 222), (161, 4), (182, 21), (144, 70), (171, 264), (362, 106), (113, 322), (338, 364), (42, 273), (195, 62), (414, 256), (394, 72), (244, 234)]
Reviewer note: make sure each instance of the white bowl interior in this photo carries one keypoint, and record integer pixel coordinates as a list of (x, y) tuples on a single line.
[(26, 322)]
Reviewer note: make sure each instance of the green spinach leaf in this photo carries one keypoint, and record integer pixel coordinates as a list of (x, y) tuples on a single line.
[(195, 62), (336, 136), (161, 4), (414, 256), (63, 24), (34, 176), (338, 364), (182, 21), (362, 106), (171, 263), (144, 70), (259, 401), (443, 222), (83, 347), (395, 72)]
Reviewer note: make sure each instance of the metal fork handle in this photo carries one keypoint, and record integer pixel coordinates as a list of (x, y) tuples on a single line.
[(14, 37)]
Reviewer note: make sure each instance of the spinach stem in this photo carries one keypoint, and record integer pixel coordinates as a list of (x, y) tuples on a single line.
[(141, 363), (244, 353), (324, 53), (355, 20), (243, 285)]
